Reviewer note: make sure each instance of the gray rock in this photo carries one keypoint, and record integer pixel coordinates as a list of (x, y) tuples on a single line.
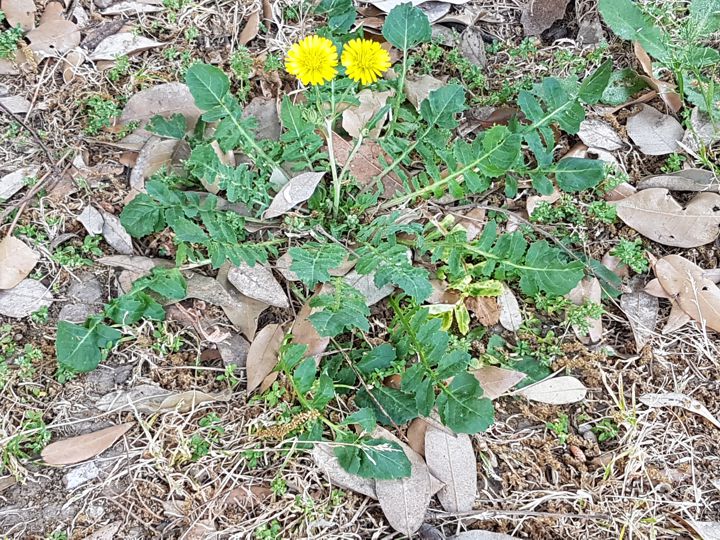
[(86, 291), (77, 313), (80, 475), (234, 350)]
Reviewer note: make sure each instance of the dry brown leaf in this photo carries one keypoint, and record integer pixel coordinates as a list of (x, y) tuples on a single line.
[(496, 381), (13, 182), (243, 311), (473, 222), (706, 530), (248, 494), (263, 354), (655, 133), (599, 134), (24, 299), (19, 13), (404, 501), (355, 118), (122, 44), (206, 289), (387, 5), (16, 104), (434, 10), (674, 399), (365, 166), (697, 295), (16, 261), (325, 458), (451, 459), (615, 265), (702, 131), (134, 7), (187, 401), (653, 288), (115, 234), (641, 310), (251, 28), (666, 91), (258, 283), (685, 180), (417, 90), (304, 332), (155, 154), (54, 38), (473, 46), (54, 11), (539, 15), (164, 100), (534, 200), (265, 112), (556, 391), (477, 534), (485, 309), (510, 315), (365, 283), (83, 447), (298, 190), (416, 435), (588, 289), (620, 192), (654, 213)]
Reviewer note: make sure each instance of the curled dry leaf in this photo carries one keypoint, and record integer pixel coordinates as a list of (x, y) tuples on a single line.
[(187, 401), (417, 90), (263, 354), (304, 333), (654, 213), (589, 290), (151, 399), (366, 164), (16, 261), (655, 133), (243, 311), (685, 180), (496, 381), (83, 447), (666, 91), (24, 299), (674, 399), (53, 38), (416, 435), (298, 190), (599, 134), (451, 459), (122, 44), (251, 28), (258, 283), (355, 118), (556, 391), (697, 295), (539, 15), (115, 234), (510, 314), (325, 458), (485, 309), (404, 501), (155, 154), (641, 310), (19, 13)]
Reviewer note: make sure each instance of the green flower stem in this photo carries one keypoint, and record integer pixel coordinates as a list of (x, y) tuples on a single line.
[(399, 95), (250, 140)]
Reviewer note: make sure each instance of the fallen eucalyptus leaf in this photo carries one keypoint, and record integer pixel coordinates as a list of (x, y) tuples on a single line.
[(539, 15), (16, 104), (251, 28), (258, 283), (473, 46), (416, 435), (186, 401), (495, 381), (365, 283), (417, 90), (675, 399), (298, 190), (19, 13), (599, 134), (115, 234), (304, 333), (25, 298), (242, 311), (451, 459), (263, 354), (556, 391), (685, 180), (53, 38), (83, 447), (13, 182), (686, 283), (654, 213), (641, 310), (482, 535), (655, 133), (676, 319), (355, 118), (366, 164), (702, 132), (325, 458), (122, 44), (92, 220), (134, 7), (206, 289), (510, 314), (16, 261), (707, 530), (164, 100)]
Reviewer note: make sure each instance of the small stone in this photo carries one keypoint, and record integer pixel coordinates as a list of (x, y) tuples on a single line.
[(87, 291), (80, 475), (234, 350), (77, 313), (102, 4)]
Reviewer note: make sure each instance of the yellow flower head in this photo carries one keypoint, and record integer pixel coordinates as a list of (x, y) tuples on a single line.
[(365, 60), (312, 60)]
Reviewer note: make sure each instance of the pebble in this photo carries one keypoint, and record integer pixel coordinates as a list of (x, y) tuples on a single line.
[(80, 475)]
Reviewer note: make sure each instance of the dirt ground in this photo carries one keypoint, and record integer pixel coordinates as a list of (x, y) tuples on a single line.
[(659, 473)]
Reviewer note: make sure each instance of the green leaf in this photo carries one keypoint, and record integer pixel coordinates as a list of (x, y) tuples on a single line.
[(130, 308), (441, 106), (80, 347), (629, 22), (462, 407), (406, 26), (365, 417), (343, 309), (184, 229), (324, 393), (623, 85), (208, 85), (391, 265), (167, 282), (142, 216), (173, 127), (374, 458), (304, 375), (398, 405), (547, 269), (313, 261), (379, 358), (560, 107), (593, 86), (704, 17), (341, 14), (578, 174)]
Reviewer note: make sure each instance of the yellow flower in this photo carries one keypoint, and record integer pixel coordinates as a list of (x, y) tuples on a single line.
[(365, 60), (312, 60)]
